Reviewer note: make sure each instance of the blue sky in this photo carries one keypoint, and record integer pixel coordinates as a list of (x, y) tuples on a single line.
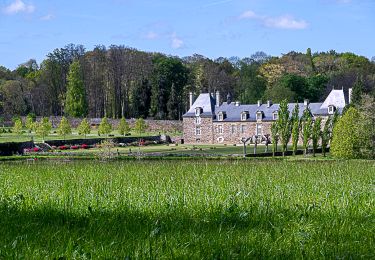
[(214, 28)]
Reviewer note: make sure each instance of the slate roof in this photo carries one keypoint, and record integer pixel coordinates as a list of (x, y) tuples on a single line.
[(206, 102), (336, 97), (233, 111)]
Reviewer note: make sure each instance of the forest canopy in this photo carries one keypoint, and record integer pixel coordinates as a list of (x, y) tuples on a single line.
[(119, 81)]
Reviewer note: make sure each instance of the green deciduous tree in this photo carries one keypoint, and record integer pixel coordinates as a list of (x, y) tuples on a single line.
[(284, 125), (275, 137), (306, 125), (43, 127), (140, 126), (30, 122), (17, 128), (326, 135), (316, 133), (367, 127), (64, 127), (357, 92), (295, 128), (76, 105), (84, 128), (105, 127), (346, 139), (123, 127)]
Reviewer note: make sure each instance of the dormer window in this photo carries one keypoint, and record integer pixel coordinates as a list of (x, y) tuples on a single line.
[(331, 109), (259, 115), (221, 116), (198, 111), (244, 115), (275, 115)]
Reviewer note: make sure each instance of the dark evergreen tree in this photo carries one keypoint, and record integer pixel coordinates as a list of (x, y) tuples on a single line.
[(76, 104)]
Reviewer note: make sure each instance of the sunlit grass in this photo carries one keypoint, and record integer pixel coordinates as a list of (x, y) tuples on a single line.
[(187, 209)]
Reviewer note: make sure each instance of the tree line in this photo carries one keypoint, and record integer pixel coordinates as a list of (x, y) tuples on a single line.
[(118, 81), (43, 127), (349, 135)]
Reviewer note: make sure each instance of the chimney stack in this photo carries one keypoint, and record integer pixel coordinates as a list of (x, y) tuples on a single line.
[(259, 103), (229, 98), (269, 103), (191, 99), (217, 98), (306, 102)]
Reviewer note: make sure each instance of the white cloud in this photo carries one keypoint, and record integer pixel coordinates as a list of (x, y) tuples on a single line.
[(47, 17), (280, 22), (177, 42), (248, 15), (151, 35), (18, 6), (285, 22)]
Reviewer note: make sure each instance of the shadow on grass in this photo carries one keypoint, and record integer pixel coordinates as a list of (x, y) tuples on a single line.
[(223, 232)]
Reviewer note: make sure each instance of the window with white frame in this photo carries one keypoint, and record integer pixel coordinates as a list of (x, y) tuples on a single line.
[(197, 130), (220, 129), (244, 116), (331, 109), (275, 115), (258, 130), (233, 129), (243, 129), (198, 111), (198, 120), (259, 115), (221, 116)]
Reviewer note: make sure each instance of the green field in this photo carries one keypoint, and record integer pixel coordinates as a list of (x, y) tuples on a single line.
[(188, 209)]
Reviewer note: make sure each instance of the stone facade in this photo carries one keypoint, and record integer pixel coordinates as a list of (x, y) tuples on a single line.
[(198, 130), (212, 122), (216, 132)]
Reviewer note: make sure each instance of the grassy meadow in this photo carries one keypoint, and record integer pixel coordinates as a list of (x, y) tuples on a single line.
[(187, 209)]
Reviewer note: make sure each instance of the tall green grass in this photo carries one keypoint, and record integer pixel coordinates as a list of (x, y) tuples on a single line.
[(186, 209)]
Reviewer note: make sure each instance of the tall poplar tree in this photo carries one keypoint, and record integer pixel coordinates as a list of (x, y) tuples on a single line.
[(76, 104), (284, 125), (295, 128), (306, 125)]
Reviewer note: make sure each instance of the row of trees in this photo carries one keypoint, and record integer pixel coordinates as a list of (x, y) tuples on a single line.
[(44, 126), (291, 128), (118, 81)]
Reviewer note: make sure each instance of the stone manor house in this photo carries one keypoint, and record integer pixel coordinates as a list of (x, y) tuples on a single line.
[(210, 121)]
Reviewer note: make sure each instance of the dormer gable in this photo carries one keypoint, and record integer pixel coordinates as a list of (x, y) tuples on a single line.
[(244, 115), (221, 115), (259, 115), (275, 115), (198, 111), (331, 109)]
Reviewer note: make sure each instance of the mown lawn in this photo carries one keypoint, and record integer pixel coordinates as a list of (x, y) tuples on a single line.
[(188, 209)]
